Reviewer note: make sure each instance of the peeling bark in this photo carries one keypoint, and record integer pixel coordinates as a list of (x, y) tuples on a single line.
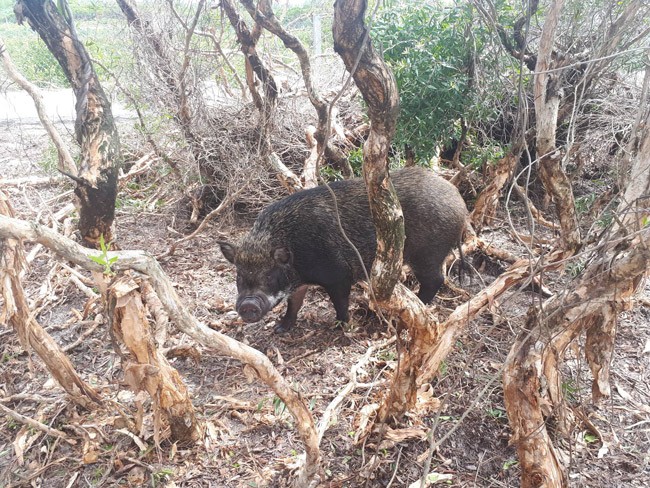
[(548, 93), (95, 130), (143, 263), (379, 89), (488, 200), (532, 382), (145, 366), (17, 314)]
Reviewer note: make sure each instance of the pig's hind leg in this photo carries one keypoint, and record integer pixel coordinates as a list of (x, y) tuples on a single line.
[(340, 296), (431, 278), (294, 303)]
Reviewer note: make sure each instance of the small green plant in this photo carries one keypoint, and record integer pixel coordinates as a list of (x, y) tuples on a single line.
[(443, 368), (388, 355), (569, 390), (260, 404), (278, 406), (479, 156), (584, 203), (606, 219), (330, 174), (590, 438), (355, 158), (49, 160), (98, 474), (161, 476), (103, 258), (575, 269), (509, 464), (497, 413)]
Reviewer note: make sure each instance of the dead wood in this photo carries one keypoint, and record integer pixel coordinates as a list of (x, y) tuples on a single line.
[(65, 164), (537, 353), (430, 342), (32, 336), (95, 130), (264, 16), (532, 382), (265, 102), (35, 424), (488, 200), (547, 94), (157, 311), (143, 263), (537, 215), (146, 368)]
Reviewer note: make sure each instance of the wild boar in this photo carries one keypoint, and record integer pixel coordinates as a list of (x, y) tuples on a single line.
[(296, 242)]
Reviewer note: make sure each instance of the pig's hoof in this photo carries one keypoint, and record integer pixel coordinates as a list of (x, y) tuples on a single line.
[(282, 326)]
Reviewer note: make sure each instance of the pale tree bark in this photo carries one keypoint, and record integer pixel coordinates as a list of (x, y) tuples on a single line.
[(488, 200), (379, 89), (144, 364), (256, 364), (548, 92), (532, 382), (32, 336), (95, 130), (66, 162)]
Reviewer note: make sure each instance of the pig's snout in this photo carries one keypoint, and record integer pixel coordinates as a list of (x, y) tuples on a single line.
[(251, 309)]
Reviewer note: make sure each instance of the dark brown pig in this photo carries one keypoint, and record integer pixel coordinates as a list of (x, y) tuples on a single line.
[(296, 242)]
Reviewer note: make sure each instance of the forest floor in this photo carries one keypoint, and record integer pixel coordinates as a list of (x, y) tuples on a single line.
[(250, 439)]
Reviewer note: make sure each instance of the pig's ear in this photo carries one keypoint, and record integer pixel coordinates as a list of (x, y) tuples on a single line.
[(229, 251), (282, 256)]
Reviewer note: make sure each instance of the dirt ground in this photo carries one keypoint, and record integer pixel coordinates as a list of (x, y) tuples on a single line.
[(250, 440)]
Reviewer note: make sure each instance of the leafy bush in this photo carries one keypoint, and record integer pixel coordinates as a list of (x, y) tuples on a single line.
[(430, 51)]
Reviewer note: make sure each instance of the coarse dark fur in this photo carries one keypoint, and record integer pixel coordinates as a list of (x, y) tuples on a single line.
[(296, 242)]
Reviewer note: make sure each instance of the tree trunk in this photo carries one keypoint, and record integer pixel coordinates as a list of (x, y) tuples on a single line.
[(94, 128), (532, 382), (547, 91), (379, 89), (145, 366)]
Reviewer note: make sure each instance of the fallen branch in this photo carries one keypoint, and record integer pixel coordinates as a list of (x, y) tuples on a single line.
[(35, 424), (82, 337), (16, 313), (144, 263), (537, 215), (324, 422)]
